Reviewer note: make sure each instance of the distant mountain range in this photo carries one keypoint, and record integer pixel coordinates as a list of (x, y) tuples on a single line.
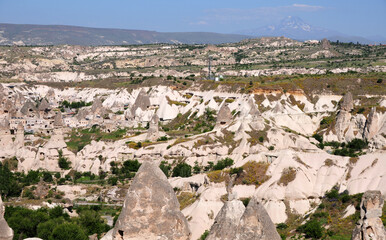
[(291, 27), (296, 28), (26, 34)]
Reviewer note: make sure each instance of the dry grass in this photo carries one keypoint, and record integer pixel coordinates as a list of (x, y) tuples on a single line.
[(287, 176), (254, 173), (217, 176), (186, 199)]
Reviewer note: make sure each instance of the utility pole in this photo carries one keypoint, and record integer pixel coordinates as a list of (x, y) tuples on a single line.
[(209, 75)]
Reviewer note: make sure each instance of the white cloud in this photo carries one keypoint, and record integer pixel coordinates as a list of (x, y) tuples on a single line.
[(306, 7), (199, 23), (262, 13)]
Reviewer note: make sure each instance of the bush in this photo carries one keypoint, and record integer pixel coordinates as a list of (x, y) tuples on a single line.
[(165, 167), (47, 177), (318, 137), (92, 222), (161, 139), (63, 162), (204, 235), (245, 201), (357, 144), (333, 194), (282, 226), (113, 181), (312, 229), (131, 165), (68, 231), (182, 170), (227, 162)]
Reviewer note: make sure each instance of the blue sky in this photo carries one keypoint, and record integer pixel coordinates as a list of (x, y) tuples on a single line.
[(354, 17)]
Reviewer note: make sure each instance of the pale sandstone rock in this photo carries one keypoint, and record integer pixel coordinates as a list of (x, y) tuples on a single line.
[(256, 224), (6, 233), (151, 209), (227, 221), (370, 226)]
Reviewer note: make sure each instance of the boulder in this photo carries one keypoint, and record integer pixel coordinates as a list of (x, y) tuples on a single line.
[(256, 224), (6, 233), (151, 209), (370, 225)]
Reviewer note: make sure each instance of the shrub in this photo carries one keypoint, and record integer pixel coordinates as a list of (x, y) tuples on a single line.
[(68, 231), (182, 170), (357, 144), (333, 194), (165, 167), (161, 139), (47, 177), (312, 229), (282, 226), (131, 165), (245, 201), (318, 137), (113, 180), (63, 162), (204, 235), (220, 165)]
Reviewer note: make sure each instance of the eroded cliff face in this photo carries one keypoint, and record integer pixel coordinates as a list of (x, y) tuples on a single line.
[(274, 128), (370, 225)]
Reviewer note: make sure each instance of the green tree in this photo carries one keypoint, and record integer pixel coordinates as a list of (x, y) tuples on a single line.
[(92, 222), (68, 231), (182, 170)]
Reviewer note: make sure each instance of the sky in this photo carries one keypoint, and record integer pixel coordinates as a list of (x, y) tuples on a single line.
[(353, 17)]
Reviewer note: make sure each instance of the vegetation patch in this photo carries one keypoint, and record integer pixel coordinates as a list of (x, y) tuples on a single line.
[(186, 199), (287, 176), (253, 173)]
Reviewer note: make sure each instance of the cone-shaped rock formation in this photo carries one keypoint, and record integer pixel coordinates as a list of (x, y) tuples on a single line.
[(151, 209)]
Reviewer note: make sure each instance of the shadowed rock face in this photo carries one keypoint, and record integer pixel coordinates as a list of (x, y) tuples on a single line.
[(371, 127), (153, 133), (256, 224), (344, 116), (347, 103), (6, 233), (151, 209), (370, 225), (224, 115), (142, 101), (227, 221)]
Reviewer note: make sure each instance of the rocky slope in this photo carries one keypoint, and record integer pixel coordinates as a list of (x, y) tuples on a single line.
[(274, 130)]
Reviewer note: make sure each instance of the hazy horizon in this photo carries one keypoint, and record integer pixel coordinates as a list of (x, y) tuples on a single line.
[(356, 18)]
